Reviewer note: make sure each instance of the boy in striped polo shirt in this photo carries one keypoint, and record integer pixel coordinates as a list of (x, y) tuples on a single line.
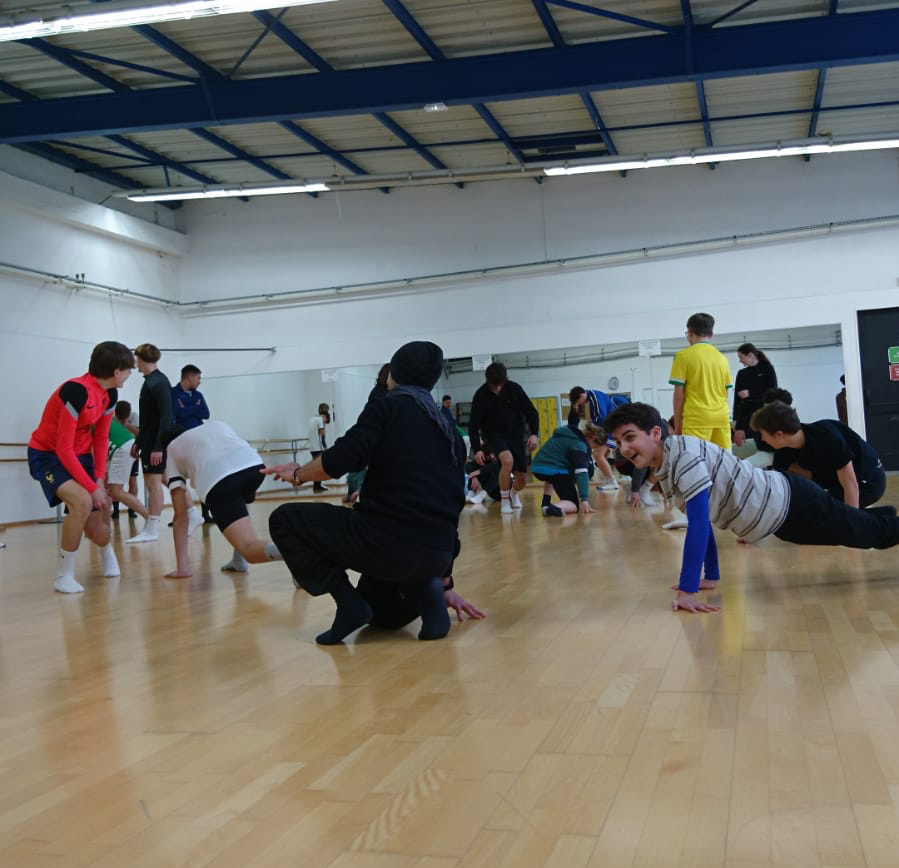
[(715, 488)]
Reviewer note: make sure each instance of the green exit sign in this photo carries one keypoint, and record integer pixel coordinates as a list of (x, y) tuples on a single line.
[(894, 355)]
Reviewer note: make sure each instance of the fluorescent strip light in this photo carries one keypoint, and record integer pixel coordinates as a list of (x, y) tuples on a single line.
[(173, 195), (710, 155), (62, 19)]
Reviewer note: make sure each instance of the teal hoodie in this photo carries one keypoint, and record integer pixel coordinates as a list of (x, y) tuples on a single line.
[(565, 452)]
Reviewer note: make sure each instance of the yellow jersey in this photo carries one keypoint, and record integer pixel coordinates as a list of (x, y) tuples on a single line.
[(705, 375)]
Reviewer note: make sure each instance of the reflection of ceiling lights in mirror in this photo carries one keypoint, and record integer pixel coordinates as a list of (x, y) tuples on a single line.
[(512, 172), (77, 18)]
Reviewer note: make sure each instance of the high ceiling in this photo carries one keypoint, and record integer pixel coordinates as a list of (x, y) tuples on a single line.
[(340, 88)]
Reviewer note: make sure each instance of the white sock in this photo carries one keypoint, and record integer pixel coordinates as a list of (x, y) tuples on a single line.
[(110, 562), (271, 552), (66, 563), (67, 585), (237, 564)]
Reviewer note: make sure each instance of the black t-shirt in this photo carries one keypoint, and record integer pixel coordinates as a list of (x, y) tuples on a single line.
[(755, 379), (829, 446), (155, 411), (502, 416)]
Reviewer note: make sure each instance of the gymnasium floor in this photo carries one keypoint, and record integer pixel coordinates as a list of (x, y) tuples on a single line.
[(152, 723)]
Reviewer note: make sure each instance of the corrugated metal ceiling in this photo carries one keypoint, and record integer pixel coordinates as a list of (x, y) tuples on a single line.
[(370, 34)]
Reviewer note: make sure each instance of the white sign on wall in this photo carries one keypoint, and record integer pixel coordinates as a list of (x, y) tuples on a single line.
[(480, 363), (649, 348), (329, 375)]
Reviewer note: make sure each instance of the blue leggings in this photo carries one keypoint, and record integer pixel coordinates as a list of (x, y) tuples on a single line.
[(699, 546)]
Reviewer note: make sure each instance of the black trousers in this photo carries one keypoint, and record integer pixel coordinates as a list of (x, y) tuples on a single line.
[(870, 490), (815, 518), (321, 541), (563, 484)]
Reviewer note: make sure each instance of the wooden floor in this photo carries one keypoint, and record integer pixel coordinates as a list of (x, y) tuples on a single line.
[(152, 724)]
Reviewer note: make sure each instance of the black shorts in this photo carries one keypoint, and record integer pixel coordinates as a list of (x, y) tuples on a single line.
[(515, 445), (135, 468), (151, 469), (562, 484), (228, 498)]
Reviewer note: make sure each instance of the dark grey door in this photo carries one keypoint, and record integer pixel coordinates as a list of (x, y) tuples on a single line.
[(878, 330)]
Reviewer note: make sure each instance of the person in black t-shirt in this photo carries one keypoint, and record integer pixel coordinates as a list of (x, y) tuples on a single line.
[(402, 535), (829, 452)]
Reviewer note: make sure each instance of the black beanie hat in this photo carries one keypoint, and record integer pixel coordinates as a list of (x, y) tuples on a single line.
[(418, 363)]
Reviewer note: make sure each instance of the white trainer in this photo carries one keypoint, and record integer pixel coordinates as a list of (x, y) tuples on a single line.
[(143, 536), (515, 500), (506, 508), (646, 497), (608, 484)]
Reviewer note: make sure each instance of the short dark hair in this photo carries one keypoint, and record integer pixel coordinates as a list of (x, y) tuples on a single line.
[(778, 395), (575, 393), (109, 357), (496, 374), (148, 353), (644, 416), (122, 411), (381, 379), (187, 370), (775, 417), (446, 398), (702, 324)]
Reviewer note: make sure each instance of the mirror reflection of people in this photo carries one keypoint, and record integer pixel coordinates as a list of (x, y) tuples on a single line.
[(317, 437), (67, 456), (402, 534), (753, 381)]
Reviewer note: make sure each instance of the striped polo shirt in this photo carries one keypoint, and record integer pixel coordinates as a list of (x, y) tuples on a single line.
[(748, 500)]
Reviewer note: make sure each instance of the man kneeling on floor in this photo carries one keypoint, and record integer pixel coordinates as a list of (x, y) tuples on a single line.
[(402, 535), (226, 471)]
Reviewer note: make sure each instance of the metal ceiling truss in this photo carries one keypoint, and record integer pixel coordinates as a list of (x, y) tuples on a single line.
[(694, 53)]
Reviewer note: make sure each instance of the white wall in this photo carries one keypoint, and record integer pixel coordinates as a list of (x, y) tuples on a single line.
[(295, 242), (47, 331)]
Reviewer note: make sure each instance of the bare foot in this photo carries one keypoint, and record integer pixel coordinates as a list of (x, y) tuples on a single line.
[(704, 585), (178, 574)]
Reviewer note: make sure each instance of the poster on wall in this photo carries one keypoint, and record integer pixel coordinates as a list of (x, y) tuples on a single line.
[(480, 363), (329, 375), (649, 348)]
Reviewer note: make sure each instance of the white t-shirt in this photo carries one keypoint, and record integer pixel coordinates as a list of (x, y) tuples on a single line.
[(316, 433), (207, 454), (748, 500)]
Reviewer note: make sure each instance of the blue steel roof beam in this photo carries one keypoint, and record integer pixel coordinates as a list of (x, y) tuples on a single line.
[(207, 74), (819, 90), (293, 41), (778, 46), (615, 16), (555, 35), (418, 34), (113, 61), (730, 14), (700, 87), (18, 93), (65, 57), (83, 167), (254, 45)]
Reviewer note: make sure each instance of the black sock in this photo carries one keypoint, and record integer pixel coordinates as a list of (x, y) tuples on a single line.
[(547, 498), (552, 509), (428, 597), (115, 510), (352, 612)]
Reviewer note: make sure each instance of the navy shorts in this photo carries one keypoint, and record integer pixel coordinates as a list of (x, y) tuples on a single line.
[(50, 472), (228, 498)]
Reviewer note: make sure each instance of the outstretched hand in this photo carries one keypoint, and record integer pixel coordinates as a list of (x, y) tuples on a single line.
[(284, 472), (461, 605), (691, 603)]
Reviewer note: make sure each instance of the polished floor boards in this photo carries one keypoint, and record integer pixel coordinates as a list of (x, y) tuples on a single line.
[(153, 724)]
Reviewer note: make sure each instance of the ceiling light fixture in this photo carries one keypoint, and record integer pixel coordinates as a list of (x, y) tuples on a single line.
[(77, 18), (724, 155), (173, 194)]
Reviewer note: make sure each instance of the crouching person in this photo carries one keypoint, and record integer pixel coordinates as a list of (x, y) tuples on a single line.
[(226, 471), (402, 534)]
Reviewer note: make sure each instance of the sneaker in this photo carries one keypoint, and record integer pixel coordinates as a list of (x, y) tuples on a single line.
[(515, 500), (608, 485), (674, 525), (319, 488), (506, 508), (646, 497), (67, 585)]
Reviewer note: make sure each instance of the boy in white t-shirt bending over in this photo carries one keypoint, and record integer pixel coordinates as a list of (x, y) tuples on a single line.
[(226, 471)]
